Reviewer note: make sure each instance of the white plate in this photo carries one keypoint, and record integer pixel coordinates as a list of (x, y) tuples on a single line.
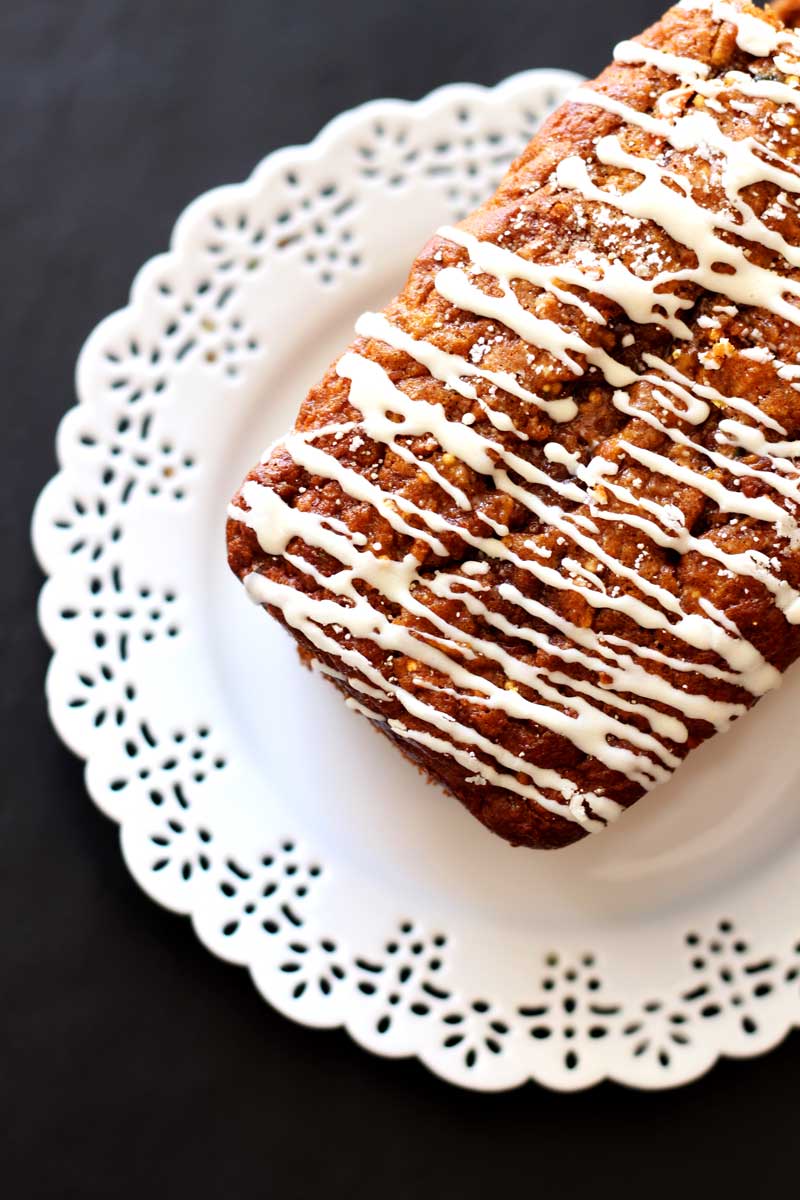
[(249, 797)]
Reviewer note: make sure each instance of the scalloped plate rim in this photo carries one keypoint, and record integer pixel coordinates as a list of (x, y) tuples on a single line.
[(274, 162)]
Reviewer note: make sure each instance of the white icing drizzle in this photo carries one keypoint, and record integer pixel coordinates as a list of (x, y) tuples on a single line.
[(451, 369), (618, 708), (691, 391), (686, 223), (672, 64), (454, 285), (612, 280), (754, 34), (381, 693)]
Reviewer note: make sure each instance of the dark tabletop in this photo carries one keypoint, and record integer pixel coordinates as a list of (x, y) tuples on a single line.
[(132, 1063)]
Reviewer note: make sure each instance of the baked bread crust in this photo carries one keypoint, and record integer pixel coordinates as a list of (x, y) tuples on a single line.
[(550, 569)]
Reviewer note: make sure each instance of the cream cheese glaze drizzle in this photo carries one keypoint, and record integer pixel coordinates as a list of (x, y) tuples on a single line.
[(593, 713)]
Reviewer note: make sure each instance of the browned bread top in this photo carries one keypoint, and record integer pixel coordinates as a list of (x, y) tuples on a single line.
[(539, 521)]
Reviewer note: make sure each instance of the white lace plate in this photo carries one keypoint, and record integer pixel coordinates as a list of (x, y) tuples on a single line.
[(250, 798)]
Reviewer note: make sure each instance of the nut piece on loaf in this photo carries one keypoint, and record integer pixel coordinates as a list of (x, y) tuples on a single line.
[(539, 522)]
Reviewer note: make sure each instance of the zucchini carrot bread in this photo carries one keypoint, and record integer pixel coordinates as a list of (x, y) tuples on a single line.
[(539, 522)]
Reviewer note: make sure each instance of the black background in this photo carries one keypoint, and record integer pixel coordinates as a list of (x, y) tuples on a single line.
[(132, 1063)]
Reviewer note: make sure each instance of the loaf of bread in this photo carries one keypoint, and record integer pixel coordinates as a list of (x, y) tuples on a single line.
[(539, 523)]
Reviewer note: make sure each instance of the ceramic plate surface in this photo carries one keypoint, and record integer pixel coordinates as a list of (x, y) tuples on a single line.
[(250, 798)]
